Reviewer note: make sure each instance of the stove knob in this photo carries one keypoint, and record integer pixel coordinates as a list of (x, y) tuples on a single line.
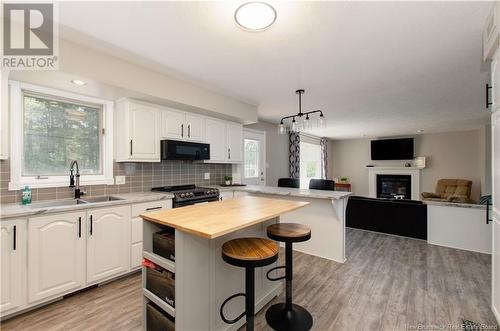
[(191, 194), (183, 195)]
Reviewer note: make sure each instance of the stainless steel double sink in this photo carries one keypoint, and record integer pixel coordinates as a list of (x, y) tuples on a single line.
[(74, 202)]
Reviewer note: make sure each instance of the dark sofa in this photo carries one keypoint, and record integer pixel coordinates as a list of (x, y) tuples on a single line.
[(399, 217)]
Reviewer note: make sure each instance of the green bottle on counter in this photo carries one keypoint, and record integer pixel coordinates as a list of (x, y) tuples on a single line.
[(26, 195)]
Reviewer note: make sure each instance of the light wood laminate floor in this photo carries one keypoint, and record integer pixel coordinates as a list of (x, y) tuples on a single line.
[(387, 283)]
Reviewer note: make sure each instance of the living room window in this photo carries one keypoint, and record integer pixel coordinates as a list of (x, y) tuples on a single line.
[(50, 128), (310, 161)]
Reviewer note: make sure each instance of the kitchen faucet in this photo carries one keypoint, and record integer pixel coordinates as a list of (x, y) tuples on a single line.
[(72, 180)]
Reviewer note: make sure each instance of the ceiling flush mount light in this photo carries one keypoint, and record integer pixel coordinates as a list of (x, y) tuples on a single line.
[(255, 16), (303, 122), (78, 82)]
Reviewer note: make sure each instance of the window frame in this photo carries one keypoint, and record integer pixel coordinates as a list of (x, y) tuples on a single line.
[(311, 140), (258, 170), (17, 180)]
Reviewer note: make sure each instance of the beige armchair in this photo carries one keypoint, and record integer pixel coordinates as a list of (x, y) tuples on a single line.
[(450, 190)]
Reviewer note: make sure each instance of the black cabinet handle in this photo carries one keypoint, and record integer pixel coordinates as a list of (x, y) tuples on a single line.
[(182, 130), (488, 103), (79, 227), (189, 130), (14, 241), (488, 220), (130, 146), (153, 208), (229, 153), (91, 224)]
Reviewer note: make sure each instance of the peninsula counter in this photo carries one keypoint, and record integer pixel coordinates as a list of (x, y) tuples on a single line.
[(202, 279)]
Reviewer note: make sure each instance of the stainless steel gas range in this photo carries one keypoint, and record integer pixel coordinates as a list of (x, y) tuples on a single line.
[(185, 195)]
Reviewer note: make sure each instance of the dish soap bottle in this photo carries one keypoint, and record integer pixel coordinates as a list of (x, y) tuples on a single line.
[(26, 195)]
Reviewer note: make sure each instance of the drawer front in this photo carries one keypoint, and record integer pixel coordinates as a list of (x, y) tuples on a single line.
[(142, 208), (136, 255), (136, 230)]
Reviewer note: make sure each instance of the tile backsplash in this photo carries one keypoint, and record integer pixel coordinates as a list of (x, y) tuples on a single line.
[(139, 177)]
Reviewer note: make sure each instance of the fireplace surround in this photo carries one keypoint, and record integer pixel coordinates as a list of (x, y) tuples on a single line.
[(393, 186), (414, 172)]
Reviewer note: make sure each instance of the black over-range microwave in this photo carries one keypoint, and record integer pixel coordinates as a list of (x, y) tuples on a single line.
[(183, 150)]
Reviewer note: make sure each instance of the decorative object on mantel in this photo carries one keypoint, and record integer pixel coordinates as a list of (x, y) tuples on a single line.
[(419, 162), (302, 123), (407, 164)]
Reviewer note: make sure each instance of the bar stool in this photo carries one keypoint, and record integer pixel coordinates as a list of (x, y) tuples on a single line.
[(288, 316), (248, 253)]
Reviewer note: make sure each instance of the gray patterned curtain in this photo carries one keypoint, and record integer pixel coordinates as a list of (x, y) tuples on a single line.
[(294, 155), (324, 157)]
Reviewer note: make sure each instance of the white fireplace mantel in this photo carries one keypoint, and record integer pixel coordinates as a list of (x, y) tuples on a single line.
[(414, 172)]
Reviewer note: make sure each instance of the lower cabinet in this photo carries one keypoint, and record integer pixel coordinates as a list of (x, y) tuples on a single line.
[(136, 228), (13, 264), (56, 254), (108, 242)]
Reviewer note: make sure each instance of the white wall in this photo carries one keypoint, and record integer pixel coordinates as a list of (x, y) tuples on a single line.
[(108, 72), (276, 152), (449, 155)]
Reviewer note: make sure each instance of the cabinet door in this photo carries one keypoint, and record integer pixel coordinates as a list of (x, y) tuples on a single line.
[(495, 79), (144, 133), (495, 157), (108, 242), (56, 254), (235, 142), (172, 125), (195, 127), (215, 132), (13, 259)]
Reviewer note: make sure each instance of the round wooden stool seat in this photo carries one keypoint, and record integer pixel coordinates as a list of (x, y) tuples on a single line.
[(250, 252), (289, 232)]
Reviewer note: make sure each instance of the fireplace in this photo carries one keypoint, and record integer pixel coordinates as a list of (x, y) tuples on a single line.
[(393, 186)]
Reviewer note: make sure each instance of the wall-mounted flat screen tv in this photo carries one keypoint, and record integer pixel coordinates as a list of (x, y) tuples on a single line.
[(392, 149)]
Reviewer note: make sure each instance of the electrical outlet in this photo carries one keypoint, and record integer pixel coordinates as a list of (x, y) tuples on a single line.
[(207, 175), (119, 180)]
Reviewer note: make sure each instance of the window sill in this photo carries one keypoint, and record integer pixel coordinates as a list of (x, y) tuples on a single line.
[(46, 183)]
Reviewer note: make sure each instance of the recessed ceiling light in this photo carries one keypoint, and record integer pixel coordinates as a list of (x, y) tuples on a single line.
[(78, 82), (420, 131), (255, 16)]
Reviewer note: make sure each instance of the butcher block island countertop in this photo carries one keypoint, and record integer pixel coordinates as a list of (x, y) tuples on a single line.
[(215, 219)]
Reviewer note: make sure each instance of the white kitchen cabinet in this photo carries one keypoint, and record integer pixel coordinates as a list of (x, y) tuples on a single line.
[(136, 228), (215, 131), (137, 133), (4, 115), (56, 254), (180, 125), (108, 242), (172, 124), (226, 195), (495, 82), (235, 142), (225, 139), (491, 32), (195, 127), (13, 263)]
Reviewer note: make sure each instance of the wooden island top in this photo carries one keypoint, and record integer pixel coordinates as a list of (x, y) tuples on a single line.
[(215, 219)]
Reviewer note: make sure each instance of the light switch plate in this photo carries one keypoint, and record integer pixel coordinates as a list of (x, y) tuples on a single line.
[(119, 180), (207, 175)]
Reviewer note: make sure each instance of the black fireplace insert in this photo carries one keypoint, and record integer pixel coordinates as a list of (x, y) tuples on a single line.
[(394, 186)]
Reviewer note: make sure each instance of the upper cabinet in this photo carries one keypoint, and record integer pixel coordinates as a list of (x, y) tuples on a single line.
[(137, 132), (234, 142), (179, 125), (225, 139), (491, 32)]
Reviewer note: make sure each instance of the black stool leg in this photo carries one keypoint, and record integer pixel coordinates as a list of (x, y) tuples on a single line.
[(250, 297), (288, 275), (288, 316)]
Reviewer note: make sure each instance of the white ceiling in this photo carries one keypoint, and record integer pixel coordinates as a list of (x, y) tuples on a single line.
[(374, 68)]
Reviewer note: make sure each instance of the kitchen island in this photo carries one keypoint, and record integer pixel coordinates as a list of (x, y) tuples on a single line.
[(325, 215), (202, 279)]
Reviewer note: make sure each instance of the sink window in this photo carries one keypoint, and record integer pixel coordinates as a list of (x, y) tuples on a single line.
[(51, 128)]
